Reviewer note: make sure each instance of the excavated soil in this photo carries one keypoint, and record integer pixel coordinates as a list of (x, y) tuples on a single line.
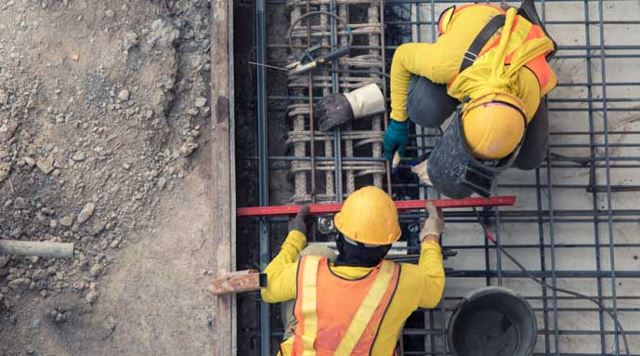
[(104, 123)]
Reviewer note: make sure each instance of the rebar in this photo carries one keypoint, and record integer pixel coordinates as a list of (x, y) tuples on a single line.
[(351, 72), (578, 210)]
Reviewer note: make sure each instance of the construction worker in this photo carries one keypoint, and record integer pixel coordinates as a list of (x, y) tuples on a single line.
[(489, 64), (354, 303)]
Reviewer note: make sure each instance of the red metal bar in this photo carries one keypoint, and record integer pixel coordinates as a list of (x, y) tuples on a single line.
[(328, 208)]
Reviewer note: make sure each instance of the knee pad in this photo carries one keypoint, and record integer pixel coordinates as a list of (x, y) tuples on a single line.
[(428, 104)]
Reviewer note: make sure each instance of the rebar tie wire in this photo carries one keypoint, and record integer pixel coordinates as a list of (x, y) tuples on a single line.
[(487, 227), (317, 13)]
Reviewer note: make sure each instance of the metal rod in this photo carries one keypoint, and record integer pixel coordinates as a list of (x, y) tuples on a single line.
[(36, 248), (594, 195), (263, 170), (337, 140), (605, 118)]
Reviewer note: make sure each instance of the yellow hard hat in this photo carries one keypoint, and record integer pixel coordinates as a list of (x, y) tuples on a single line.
[(369, 216), (493, 125)]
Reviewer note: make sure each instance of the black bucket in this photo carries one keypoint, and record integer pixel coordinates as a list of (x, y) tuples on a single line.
[(492, 321)]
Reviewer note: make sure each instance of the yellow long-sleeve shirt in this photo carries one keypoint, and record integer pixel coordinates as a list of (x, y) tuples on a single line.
[(419, 286), (440, 61)]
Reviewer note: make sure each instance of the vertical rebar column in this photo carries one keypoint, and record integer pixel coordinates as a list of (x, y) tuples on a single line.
[(605, 119), (376, 50), (263, 162), (543, 267), (335, 89), (592, 156), (343, 14), (299, 148)]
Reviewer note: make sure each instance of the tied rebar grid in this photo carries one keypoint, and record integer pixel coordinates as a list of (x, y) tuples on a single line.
[(334, 178), (576, 222)]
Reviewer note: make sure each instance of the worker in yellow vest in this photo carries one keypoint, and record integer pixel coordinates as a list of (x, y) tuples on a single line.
[(354, 303), (489, 64)]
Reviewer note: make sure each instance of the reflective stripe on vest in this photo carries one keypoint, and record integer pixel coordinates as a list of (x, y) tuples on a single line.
[(521, 32), (358, 308), (309, 302)]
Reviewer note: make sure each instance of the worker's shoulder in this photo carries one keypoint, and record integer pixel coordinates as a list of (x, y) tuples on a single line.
[(410, 271), (408, 268), (411, 279)]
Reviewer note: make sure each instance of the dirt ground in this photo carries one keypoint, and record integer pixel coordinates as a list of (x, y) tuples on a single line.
[(104, 123)]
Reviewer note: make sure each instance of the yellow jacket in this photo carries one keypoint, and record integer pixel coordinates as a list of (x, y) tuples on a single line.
[(419, 286), (440, 63)]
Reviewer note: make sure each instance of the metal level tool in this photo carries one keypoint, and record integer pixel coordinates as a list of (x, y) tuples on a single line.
[(330, 208)]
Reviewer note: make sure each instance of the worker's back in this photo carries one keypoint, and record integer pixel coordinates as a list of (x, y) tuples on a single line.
[(343, 290)]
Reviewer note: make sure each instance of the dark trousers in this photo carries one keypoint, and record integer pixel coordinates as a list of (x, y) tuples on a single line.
[(429, 105)]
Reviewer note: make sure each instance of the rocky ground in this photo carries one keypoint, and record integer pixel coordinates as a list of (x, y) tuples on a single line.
[(103, 136)]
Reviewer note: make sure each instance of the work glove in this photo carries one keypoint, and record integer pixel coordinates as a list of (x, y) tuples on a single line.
[(420, 170), (396, 137), (434, 223), (338, 109), (299, 222)]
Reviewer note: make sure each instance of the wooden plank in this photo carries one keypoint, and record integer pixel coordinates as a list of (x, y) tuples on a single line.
[(223, 171), (237, 282)]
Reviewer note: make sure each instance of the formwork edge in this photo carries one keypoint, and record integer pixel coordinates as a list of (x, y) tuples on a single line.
[(223, 171)]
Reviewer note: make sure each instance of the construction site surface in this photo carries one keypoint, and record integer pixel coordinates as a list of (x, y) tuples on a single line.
[(130, 131)]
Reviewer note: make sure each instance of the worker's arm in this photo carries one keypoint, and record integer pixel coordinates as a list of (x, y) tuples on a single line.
[(430, 263), (281, 271), (434, 61), (433, 271)]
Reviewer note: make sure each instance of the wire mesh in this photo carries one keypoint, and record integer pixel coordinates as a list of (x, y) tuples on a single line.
[(576, 221)]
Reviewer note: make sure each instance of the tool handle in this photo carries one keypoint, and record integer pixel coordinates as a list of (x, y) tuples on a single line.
[(335, 54)]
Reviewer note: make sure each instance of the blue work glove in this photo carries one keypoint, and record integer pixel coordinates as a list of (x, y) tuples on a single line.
[(396, 137)]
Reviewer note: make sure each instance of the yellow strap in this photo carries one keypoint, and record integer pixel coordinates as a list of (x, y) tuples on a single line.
[(489, 75), (310, 304), (366, 310), (498, 62)]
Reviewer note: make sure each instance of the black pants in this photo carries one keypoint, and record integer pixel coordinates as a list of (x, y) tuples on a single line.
[(429, 105)]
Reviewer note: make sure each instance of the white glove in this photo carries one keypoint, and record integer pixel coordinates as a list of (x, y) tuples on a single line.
[(434, 224), (366, 101), (338, 109), (420, 170)]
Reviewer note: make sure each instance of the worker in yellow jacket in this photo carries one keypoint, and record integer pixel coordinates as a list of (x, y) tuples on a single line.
[(490, 65), (354, 303)]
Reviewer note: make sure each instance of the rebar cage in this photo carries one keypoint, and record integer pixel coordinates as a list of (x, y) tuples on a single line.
[(576, 221)]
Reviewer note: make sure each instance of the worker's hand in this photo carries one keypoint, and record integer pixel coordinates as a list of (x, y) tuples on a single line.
[(332, 111), (420, 170), (338, 109), (396, 137), (299, 222), (434, 224)]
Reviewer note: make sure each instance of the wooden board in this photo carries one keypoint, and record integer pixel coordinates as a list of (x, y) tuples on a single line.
[(223, 171)]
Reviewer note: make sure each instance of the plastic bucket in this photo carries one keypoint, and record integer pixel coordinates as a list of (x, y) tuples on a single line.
[(492, 321)]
